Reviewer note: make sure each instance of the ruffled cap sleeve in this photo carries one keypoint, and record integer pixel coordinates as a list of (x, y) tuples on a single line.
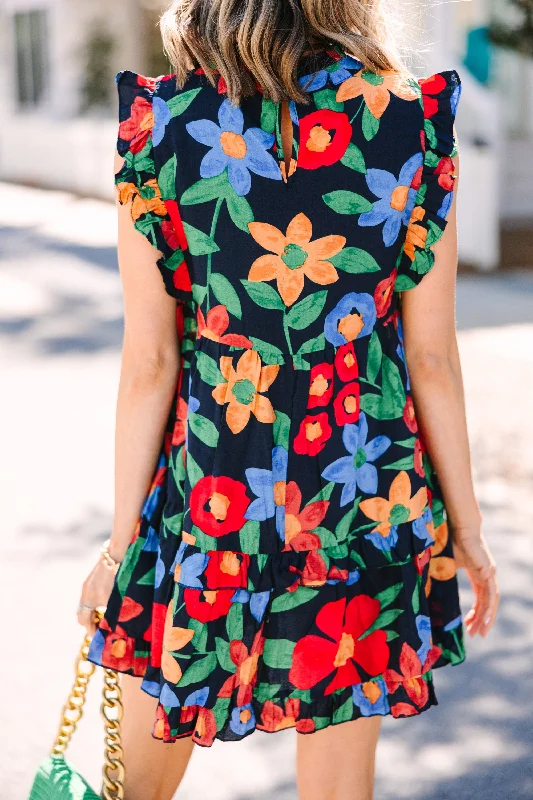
[(147, 179), (439, 97)]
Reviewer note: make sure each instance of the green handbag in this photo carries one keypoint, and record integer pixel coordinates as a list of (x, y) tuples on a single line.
[(56, 778)]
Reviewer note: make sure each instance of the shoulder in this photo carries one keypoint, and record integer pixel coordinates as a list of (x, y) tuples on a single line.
[(147, 105)]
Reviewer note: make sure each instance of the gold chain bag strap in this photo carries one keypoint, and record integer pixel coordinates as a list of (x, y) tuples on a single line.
[(56, 778)]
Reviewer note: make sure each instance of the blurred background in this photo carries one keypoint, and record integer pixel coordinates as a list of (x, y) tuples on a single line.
[(60, 340)]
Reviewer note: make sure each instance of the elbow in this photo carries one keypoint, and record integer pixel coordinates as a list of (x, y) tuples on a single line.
[(149, 372), (432, 367)]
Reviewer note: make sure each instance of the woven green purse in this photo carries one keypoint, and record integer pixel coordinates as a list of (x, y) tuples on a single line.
[(56, 779)]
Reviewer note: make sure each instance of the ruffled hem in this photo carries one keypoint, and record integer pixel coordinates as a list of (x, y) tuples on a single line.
[(439, 97), (232, 723), (147, 181)]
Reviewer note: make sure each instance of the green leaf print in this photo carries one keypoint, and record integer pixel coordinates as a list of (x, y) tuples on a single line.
[(324, 493), (312, 345), (327, 538), (263, 295), (384, 619), (200, 243), (409, 443), (208, 369), (239, 210), (194, 471), (355, 261), (199, 293), (199, 670), (220, 711), (174, 524), (416, 597), (344, 713), (281, 429), (223, 655), (234, 622), (327, 98), (421, 194), (403, 283), (354, 159), (321, 722), (226, 294), (391, 635), (175, 260), (429, 129), (343, 526), (302, 314), (289, 600), (345, 202), (128, 564), (434, 233), (422, 262), (203, 428), (372, 77), (181, 102), (408, 462), (266, 691), (269, 115), (278, 653), (249, 536), (390, 404), (206, 189), (199, 640), (302, 694), (370, 124), (203, 540), (270, 354), (167, 179), (388, 596), (148, 579), (375, 354)]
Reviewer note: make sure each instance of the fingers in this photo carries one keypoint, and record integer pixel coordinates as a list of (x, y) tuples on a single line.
[(481, 616)]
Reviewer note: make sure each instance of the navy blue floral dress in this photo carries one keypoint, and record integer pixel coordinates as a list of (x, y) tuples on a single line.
[(292, 565)]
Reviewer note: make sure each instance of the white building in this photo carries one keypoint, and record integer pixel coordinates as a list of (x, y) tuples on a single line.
[(57, 53)]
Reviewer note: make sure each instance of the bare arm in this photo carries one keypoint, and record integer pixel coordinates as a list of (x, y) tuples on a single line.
[(150, 363), (432, 354)]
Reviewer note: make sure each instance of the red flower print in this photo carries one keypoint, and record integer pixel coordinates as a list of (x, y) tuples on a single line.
[(422, 559), (321, 385), (346, 404), (383, 293), (226, 500), (226, 569), (129, 610), (316, 657), (156, 632), (161, 729), (431, 86), (209, 605), (409, 415), (174, 233), (119, 651), (419, 458), (245, 675), (206, 725), (318, 147), (135, 130), (346, 362), (181, 278), (445, 169), (313, 434), (213, 327), (299, 524), (275, 718), (411, 676)]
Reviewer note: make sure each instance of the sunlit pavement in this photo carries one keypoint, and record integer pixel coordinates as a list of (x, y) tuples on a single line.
[(60, 336)]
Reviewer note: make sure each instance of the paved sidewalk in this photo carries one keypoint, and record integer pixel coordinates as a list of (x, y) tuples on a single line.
[(60, 338)]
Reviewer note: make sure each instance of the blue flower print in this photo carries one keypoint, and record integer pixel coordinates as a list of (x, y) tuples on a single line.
[(340, 72), (230, 147), (258, 604), (167, 698), (423, 626), (396, 198), (197, 698), (342, 325), (383, 543), (371, 698), (161, 119), (242, 719), (451, 626), (190, 569), (423, 528), (357, 468), (262, 483)]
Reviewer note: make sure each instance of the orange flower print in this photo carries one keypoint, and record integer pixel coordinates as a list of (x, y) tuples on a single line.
[(399, 508), (146, 199), (242, 389), (416, 233), (376, 90), (441, 568), (293, 256)]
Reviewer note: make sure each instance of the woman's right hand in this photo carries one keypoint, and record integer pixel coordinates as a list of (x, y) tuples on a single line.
[(95, 593), (472, 554)]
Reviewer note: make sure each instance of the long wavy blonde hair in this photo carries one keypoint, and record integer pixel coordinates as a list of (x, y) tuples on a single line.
[(250, 42)]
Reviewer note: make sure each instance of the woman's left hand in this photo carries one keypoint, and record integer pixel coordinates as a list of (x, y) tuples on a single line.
[(95, 593)]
